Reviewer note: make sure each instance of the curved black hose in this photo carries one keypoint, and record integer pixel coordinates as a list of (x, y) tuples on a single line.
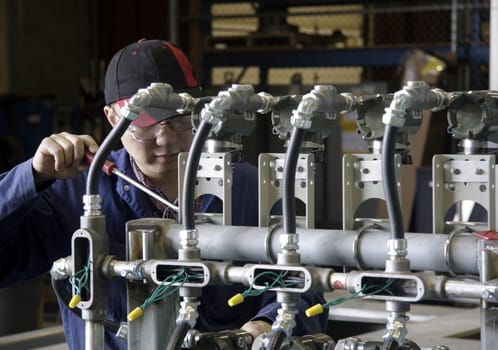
[(188, 203), (390, 182), (289, 179), (61, 292), (92, 184), (276, 339), (176, 340)]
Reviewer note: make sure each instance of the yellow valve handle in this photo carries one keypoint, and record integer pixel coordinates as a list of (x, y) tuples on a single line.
[(314, 310), (136, 313), (74, 301), (236, 300)]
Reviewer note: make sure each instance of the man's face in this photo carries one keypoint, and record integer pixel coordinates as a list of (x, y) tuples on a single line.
[(157, 154)]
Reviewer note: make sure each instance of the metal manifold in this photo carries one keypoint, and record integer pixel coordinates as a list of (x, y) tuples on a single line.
[(370, 260)]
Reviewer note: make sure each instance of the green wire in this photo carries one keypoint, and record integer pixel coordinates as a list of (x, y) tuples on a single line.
[(161, 291), (277, 282), (360, 294), (80, 279)]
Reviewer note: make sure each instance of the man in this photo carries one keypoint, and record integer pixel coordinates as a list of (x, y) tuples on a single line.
[(42, 197)]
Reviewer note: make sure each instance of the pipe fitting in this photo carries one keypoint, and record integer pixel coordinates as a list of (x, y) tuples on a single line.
[(189, 238), (414, 95), (159, 95), (397, 248), (289, 241), (92, 205), (285, 320), (61, 269), (394, 115), (396, 328), (397, 251), (267, 102), (212, 112), (301, 117), (188, 311)]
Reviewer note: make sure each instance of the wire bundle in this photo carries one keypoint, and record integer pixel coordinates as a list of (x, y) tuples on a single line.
[(80, 283), (278, 281), (365, 291), (163, 290)]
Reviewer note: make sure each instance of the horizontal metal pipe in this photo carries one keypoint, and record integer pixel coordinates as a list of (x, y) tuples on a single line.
[(367, 249)]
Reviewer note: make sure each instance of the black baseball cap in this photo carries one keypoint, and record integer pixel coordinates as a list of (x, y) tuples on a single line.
[(138, 65)]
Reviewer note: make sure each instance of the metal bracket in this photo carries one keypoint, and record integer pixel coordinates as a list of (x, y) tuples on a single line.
[(271, 170), (214, 176), (459, 177), (362, 180)]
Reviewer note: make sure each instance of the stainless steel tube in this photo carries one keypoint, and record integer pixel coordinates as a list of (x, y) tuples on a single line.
[(335, 247), (94, 335)]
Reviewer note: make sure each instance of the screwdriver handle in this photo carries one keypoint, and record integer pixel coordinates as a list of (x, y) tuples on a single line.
[(108, 166)]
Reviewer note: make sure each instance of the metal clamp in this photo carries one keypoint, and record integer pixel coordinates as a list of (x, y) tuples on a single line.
[(356, 242), (271, 230), (447, 254)]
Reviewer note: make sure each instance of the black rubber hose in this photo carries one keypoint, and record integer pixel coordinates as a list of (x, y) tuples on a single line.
[(390, 182), (276, 339), (61, 292), (176, 340), (289, 179), (194, 156), (92, 184)]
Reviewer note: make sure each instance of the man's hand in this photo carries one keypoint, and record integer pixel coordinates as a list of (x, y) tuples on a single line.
[(256, 328), (60, 156)]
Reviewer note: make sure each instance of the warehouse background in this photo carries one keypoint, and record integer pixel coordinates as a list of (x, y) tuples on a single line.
[(53, 55)]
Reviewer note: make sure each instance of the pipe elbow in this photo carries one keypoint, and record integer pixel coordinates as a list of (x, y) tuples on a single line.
[(301, 117), (394, 115), (213, 111)]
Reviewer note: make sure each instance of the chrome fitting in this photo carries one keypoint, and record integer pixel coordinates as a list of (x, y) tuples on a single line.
[(301, 117), (61, 269), (188, 312), (189, 238), (268, 101), (397, 248), (188, 103), (212, 112), (350, 343), (92, 205), (396, 328), (442, 98), (350, 102), (285, 320), (394, 117), (289, 241)]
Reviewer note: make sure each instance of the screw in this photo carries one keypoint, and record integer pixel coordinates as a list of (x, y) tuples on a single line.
[(456, 171), (365, 170), (478, 171)]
